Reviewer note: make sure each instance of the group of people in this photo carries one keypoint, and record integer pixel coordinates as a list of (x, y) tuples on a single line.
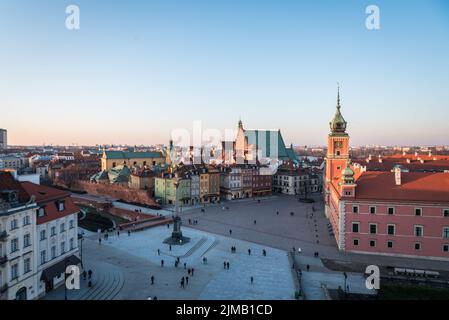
[(226, 265), (233, 249), (194, 222)]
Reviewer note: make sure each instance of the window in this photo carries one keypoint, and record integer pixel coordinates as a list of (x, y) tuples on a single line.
[(61, 206), (14, 245), (43, 235), (43, 256), (41, 212), (391, 229), (389, 244), (355, 227), (26, 265), (391, 210), (372, 243), (372, 210), (14, 271), (72, 243), (62, 247), (53, 252), (372, 228), (445, 247), (418, 231), (62, 227), (446, 232), (26, 220), (417, 246), (26, 240), (14, 224), (355, 242), (418, 212), (53, 231), (446, 212), (355, 209)]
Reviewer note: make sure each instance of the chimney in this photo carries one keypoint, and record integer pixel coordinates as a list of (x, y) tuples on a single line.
[(397, 176), (430, 153), (404, 153), (369, 157), (380, 158), (421, 160), (416, 153), (408, 160)]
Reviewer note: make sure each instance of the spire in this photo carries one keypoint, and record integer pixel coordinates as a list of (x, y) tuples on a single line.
[(338, 123), (240, 124), (338, 96)]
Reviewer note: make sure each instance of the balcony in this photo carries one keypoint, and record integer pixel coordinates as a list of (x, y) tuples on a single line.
[(3, 288), (3, 236), (3, 260)]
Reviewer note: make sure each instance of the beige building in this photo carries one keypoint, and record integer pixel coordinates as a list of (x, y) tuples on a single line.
[(111, 159)]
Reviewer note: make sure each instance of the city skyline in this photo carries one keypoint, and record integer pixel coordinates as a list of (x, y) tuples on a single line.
[(134, 72)]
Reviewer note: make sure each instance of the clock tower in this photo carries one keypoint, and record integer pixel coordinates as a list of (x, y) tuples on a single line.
[(337, 145)]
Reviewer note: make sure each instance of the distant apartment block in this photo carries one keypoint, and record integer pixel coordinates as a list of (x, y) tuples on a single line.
[(3, 139)]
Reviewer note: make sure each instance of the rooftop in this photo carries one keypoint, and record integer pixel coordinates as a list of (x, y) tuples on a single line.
[(415, 187)]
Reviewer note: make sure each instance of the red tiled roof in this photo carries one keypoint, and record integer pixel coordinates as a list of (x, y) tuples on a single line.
[(389, 162), (48, 197), (7, 182), (415, 186)]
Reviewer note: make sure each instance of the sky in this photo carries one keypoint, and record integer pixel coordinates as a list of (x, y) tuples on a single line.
[(137, 70)]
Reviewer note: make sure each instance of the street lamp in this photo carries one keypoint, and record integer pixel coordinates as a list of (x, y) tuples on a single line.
[(346, 277)]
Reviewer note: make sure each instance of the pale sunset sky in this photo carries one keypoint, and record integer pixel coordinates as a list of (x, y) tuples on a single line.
[(138, 69)]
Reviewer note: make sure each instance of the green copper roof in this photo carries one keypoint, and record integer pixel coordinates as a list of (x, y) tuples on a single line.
[(338, 123), (263, 140), (132, 155), (119, 174)]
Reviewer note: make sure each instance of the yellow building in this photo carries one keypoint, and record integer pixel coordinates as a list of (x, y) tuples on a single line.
[(111, 159)]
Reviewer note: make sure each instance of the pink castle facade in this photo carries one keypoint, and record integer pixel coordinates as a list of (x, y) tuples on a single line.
[(396, 210)]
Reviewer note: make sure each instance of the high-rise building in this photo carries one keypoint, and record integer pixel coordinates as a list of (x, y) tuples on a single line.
[(3, 138)]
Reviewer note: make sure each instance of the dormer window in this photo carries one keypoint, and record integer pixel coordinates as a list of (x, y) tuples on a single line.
[(41, 212), (61, 206)]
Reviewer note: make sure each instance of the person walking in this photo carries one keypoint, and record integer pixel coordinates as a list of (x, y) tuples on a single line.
[(118, 233), (158, 252), (224, 264), (230, 232), (227, 265), (255, 222), (249, 252), (185, 265), (162, 262), (89, 273), (264, 252), (187, 281), (252, 280), (152, 280), (169, 247), (182, 283), (99, 240), (129, 233), (192, 272), (308, 268)]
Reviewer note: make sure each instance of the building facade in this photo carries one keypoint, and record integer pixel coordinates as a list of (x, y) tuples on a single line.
[(3, 139), (56, 236), (388, 212), (111, 159)]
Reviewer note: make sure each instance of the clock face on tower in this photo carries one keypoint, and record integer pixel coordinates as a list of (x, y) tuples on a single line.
[(338, 144)]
